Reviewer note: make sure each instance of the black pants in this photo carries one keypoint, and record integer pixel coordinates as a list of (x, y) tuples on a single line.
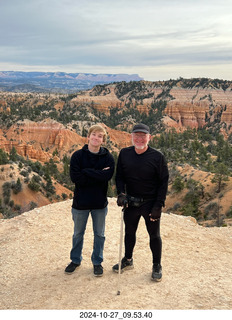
[(132, 216)]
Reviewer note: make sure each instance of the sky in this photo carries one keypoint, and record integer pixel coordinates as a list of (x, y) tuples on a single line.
[(156, 39)]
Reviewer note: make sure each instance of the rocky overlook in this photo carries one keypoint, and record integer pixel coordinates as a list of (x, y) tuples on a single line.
[(35, 250)]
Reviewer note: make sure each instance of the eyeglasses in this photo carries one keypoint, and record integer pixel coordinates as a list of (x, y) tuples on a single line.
[(140, 135)]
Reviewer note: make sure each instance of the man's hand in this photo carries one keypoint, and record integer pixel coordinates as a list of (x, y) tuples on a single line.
[(122, 200), (155, 213)]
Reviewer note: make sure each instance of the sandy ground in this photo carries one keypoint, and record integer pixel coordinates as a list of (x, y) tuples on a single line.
[(35, 249)]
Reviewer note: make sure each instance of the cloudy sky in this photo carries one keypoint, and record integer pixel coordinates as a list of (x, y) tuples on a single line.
[(157, 39)]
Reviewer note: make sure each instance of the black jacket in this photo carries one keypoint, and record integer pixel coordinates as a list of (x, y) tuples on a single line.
[(91, 181), (143, 175)]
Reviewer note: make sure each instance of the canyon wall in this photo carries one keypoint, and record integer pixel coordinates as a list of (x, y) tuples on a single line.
[(186, 108)]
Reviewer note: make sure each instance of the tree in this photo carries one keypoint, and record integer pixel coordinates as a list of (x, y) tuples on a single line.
[(229, 212), (190, 210), (221, 174), (33, 185), (3, 157), (17, 187), (64, 196), (49, 186), (178, 184), (33, 205), (192, 198), (6, 188), (50, 168), (13, 155), (195, 187), (66, 162)]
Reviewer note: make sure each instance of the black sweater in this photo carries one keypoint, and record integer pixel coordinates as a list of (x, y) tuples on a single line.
[(91, 181), (143, 175)]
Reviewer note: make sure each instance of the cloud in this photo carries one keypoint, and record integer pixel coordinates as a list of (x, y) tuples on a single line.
[(123, 34)]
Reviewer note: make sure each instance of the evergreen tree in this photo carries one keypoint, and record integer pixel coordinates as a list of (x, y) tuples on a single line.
[(33, 185), (221, 174), (178, 184), (17, 187), (13, 155), (3, 157)]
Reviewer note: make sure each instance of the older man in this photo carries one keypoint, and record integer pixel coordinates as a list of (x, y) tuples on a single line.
[(142, 181)]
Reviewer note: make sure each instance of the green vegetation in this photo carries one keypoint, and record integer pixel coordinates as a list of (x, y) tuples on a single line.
[(192, 198), (4, 158), (178, 184), (38, 177), (205, 149), (221, 174), (210, 153), (17, 187), (197, 148)]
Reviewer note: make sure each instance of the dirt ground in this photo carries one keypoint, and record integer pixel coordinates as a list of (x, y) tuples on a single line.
[(34, 252)]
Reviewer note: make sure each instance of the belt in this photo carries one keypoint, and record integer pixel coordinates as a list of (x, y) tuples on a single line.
[(137, 202)]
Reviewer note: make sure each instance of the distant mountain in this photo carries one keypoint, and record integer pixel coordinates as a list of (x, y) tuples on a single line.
[(17, 81)]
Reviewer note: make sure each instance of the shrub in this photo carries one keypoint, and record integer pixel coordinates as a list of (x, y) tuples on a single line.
[(17, 207), (3, 157), (178, 184), (211, 208), (6, 192), (24, 173), (191, 210), (229, 213), (17, 187), (33, 205), (11, 203), (37, 178), (176, 206), (33, 185)]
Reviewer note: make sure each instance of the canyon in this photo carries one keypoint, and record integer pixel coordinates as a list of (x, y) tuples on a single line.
[(43, 126), (186, 108)]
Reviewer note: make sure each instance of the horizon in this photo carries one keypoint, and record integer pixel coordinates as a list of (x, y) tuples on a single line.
[(92, 73), (156, 40)]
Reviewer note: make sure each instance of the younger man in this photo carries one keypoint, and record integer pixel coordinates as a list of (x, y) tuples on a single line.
[(90, 169)]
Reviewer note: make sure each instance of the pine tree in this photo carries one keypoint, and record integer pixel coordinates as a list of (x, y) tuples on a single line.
[(221, 174)]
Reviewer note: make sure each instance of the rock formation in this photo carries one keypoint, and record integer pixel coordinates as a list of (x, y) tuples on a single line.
[(189, 107), (190, 103), (187, 114), (32, 139)]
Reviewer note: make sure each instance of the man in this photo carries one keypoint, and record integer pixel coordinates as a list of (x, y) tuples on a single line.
[(90, 169), (142, 181)]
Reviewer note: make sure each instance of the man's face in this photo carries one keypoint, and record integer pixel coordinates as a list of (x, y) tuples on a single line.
[(140, 140), (96, 138)]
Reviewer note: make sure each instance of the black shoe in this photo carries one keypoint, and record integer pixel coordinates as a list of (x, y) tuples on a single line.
[(125, 265), (71, 267), (156, 272), (98, 270)]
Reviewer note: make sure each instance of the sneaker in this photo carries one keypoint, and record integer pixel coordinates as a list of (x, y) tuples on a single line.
[(98, 270), (125, 265), (156, 272), (71, 267)]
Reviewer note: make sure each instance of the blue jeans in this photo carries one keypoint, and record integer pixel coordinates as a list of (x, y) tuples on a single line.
[(80, 218)]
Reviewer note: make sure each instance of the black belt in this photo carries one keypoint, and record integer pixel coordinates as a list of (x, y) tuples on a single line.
[(137, 202)]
